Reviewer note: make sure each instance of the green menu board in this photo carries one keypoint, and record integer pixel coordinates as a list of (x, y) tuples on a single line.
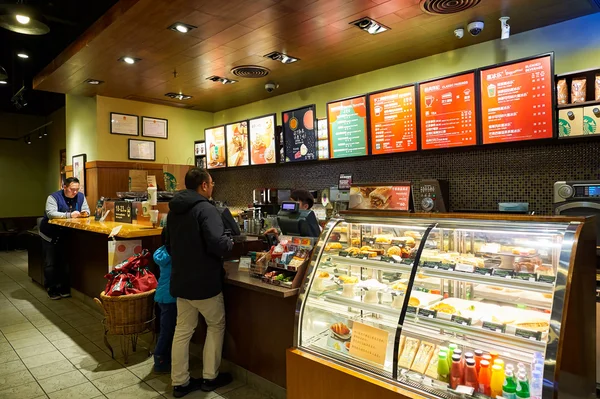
[(348, 127)]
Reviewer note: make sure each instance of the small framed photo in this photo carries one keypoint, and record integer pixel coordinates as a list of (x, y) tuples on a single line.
[(155, 127), (124, 124), (79, 170), (142, 150)]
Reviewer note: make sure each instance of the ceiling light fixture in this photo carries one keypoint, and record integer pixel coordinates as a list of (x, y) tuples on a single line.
[(93, 81), (223, 80), (370, 26), (129, 60), (46, 131), (3, 82), (22, 55), (28, 140), (22, 19), (40, 136), (3, 73), (181, 27), (281, 57), (178, 96)]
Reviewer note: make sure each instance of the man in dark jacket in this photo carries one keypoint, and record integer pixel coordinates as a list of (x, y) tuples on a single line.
[(197, 243)]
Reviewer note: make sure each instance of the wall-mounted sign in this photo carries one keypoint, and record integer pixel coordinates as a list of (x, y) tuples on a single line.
[(379, 197), (124, 124), (448, 112), (237, 143), (323, 136), (155, 127), (199, 148), (215, 146), (347, 127), (299, 134), (345, 181), (262, 140)]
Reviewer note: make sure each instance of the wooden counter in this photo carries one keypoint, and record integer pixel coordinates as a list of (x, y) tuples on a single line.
[(94, 226), (242, 279)]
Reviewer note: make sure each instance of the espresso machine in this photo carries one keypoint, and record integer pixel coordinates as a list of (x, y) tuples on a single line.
[(266, 200)]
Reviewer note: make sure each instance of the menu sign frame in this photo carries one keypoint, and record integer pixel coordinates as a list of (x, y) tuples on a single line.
[(209, 140), (548, 95), (395, 196), (272, 144), (350, 103), (229, 148), (293, 132), (393, 125), (427, 101)]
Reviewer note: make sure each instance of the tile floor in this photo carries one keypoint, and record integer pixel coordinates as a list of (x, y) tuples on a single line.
[(54, 349)]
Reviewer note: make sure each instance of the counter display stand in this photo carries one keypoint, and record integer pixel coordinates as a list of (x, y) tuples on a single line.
[(387, 292)]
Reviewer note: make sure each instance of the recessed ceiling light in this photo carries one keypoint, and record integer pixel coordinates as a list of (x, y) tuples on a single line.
[(370, 26), (181, 27), (129, 60), (93, 81), (220, 79), (178, 96), (22, 19), (22, 55), (283, 58)]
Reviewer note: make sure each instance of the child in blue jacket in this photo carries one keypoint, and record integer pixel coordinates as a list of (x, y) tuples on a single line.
[(168, 311)]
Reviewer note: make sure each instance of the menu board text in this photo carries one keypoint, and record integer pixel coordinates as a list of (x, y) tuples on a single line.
[(393, 116)]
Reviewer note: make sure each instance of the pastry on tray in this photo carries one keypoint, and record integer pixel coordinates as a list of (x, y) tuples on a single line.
[(395, 250), (412, 301), (355, 242), (444, 308), (340, 329), (383, 239), (333, 246), (353, 251)]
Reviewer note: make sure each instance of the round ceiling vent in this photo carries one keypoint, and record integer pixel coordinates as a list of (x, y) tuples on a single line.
[(250, 71), (447, 6)]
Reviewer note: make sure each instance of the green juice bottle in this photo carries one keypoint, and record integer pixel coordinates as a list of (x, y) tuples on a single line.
[(451, 349), (509, 388), (443, 369), (522, 391)]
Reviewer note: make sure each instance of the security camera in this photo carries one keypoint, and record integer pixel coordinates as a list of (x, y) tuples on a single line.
[(505, 27), (271, 86), (475, 27), (459, 33)]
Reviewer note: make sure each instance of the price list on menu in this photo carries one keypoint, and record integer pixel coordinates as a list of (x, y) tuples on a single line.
[(348, 127), (393, 119), (448, 112), (517, 101)]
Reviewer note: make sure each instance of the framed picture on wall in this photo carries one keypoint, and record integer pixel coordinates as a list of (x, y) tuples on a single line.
[(155, 127), (79, 170), (142, 150), (124, 124)]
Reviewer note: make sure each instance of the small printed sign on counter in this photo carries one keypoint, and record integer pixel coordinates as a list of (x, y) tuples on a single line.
[(484, 271), (428, 313), (462, 267), (503, 273), (546, 279), (525, 276), (411, 310), (432, 265), (488, 325), (465, 321), (529, 334), (369, 343)]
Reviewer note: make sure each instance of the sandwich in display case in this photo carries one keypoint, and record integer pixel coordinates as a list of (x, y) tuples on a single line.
[(447, 305)]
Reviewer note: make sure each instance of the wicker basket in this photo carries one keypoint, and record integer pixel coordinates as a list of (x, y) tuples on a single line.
[(127, 316)]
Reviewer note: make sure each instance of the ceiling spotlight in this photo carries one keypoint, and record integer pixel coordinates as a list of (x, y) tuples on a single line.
[(45, 131), (22, 19), (370, 26), (93, 81), (22, 55), (18, 100), (129, 60), (283, 58), (28, 140), (3, 73), (3, 82), (181, 27), (220, 79), (40, 135), (178, 96)]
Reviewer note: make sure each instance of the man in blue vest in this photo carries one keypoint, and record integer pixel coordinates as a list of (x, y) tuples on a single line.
[(64, 204)]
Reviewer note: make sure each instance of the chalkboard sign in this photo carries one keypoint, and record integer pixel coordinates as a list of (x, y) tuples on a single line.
[(300, 134), (123, 212)]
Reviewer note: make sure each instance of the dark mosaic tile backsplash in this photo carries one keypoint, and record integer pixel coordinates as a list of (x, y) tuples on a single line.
[(479, 178)]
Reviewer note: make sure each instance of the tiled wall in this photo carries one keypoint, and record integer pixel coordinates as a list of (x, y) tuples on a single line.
[(479, 178)]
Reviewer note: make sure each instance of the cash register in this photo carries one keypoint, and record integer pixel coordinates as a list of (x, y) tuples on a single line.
[(294, 221)]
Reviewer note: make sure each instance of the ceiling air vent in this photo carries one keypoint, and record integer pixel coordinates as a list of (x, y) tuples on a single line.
[(250, 71), (447, 6)]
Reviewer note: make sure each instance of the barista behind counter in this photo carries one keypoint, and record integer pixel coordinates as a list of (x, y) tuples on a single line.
[(305, 202)]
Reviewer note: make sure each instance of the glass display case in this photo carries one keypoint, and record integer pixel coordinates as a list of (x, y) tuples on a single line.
[(442, 307)]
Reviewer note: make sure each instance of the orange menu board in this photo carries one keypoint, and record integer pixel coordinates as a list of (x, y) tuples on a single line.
[(215, 146), (516, 101), (393, 116), (447, 109)]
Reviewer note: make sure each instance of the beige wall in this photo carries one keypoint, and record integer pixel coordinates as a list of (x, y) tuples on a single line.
[(80, 121), (185, 126), (575, 43), (56, 141)]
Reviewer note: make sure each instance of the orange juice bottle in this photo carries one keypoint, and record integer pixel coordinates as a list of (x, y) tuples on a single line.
[(485, 377), (497, 381)]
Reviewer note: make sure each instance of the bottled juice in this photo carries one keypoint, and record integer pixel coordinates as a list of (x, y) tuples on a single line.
[(469, 355), (497, 381), (456, 372), (443, 369), (494, 355), (460, 354), (509, 388), (522, 391), (500, 363), (489, 359), (478, 357), (471, 375), (485, 377), (451, 349)]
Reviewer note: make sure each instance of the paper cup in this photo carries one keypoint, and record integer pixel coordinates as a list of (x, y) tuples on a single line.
[(154, 216), (152, 195)]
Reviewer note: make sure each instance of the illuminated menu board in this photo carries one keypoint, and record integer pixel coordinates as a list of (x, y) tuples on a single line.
[(215, 146), (447, 108), (237, 143), (516, 101), (393, 119), (347, 127), (262, 140), (300, 134)]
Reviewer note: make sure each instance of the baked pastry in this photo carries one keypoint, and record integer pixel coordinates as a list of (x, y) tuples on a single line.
[(370, 254), (444, 308), (340, 329), (348, 279), (399, 286), (378, 251), (365, 248), (335, 245), (353, 250), (383, 239), (394, 251), (413, 234), (355, 242), (533, 324), (523, 251), (380, 197), (341, 229), (408, 241), (412, 301), (323, 275), (547, 296)]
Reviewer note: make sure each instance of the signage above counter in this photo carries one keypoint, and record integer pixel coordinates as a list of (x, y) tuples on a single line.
[(300, 134), (347, 127)]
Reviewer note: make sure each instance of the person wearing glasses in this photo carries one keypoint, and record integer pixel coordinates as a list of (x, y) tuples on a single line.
[(67, 203), (197, 242)]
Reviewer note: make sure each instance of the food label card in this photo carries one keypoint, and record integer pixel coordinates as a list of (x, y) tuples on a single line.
[(369, 343)]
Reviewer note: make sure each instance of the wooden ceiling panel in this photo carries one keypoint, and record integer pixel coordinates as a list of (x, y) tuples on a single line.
[(238, 32)]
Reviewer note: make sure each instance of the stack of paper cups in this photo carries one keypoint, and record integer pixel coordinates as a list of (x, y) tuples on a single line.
[(152, 195)]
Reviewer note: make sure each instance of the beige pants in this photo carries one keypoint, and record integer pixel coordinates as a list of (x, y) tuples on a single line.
[(213, 310)]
